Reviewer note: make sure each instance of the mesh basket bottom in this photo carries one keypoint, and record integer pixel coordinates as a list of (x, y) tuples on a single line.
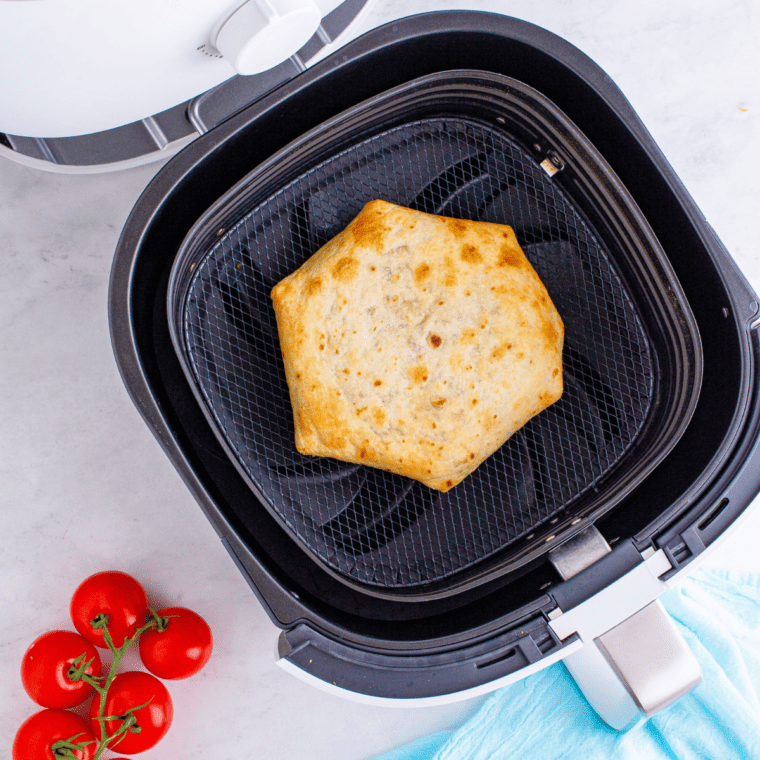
[(367, 524)]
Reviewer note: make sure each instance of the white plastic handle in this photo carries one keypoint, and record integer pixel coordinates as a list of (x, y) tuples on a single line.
[(632, 665), (262, 33)]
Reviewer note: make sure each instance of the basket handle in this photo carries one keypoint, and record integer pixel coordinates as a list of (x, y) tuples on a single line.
[(637, 667)]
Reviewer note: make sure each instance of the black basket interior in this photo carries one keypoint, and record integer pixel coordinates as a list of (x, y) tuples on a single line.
[(375, 527)]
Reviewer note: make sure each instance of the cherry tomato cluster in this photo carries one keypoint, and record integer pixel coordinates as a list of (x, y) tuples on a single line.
[(131, 711)]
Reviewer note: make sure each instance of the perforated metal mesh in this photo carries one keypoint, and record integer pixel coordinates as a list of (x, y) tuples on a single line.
[(370, 525)]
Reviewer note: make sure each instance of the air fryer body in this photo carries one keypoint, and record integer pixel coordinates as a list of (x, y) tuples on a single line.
[(474, 639)]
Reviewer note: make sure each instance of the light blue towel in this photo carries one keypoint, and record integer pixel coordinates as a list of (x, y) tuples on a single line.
[(545, 716)]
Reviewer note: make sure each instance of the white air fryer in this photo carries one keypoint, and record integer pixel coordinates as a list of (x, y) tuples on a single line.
[(281, 121)]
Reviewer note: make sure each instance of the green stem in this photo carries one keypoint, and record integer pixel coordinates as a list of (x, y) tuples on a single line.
[(95, 683), (129, 720), (79, 668), (66, 748)]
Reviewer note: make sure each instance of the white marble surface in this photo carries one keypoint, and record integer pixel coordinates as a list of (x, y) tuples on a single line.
[(84, 486)]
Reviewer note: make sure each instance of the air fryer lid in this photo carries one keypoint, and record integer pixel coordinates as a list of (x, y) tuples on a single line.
[(472, 145)]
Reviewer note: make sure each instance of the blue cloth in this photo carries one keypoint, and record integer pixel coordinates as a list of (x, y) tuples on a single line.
[(546, 717)]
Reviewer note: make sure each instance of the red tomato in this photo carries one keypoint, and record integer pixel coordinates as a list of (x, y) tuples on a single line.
[(180, 650), (129, 690), (46, 664), (115, 594), (35, 739)]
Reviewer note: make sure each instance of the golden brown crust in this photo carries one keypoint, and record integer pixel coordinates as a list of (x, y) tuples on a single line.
[(417, 343)]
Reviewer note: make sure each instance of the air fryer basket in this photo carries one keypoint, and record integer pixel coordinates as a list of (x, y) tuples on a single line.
[(467, 144)]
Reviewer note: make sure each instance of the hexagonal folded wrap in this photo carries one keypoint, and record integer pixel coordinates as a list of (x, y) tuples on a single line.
[(417, 344)]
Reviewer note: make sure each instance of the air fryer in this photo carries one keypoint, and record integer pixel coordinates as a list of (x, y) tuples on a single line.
[(558, 545)]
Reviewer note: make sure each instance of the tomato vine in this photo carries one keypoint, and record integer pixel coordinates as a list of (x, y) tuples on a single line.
[(102, 604)]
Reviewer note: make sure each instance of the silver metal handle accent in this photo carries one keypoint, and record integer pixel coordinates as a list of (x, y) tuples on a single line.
[(579, 552), (651, 658)]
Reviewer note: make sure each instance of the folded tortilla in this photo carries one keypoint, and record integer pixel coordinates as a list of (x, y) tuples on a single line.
[(417, 344)]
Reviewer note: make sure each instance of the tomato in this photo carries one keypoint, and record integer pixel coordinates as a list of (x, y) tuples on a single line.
[(116, 595), (45, 667), (35, 739), (129, 690), (180, 650)]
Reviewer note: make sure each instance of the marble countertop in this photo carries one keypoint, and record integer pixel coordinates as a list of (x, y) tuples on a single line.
[(84, 486)]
